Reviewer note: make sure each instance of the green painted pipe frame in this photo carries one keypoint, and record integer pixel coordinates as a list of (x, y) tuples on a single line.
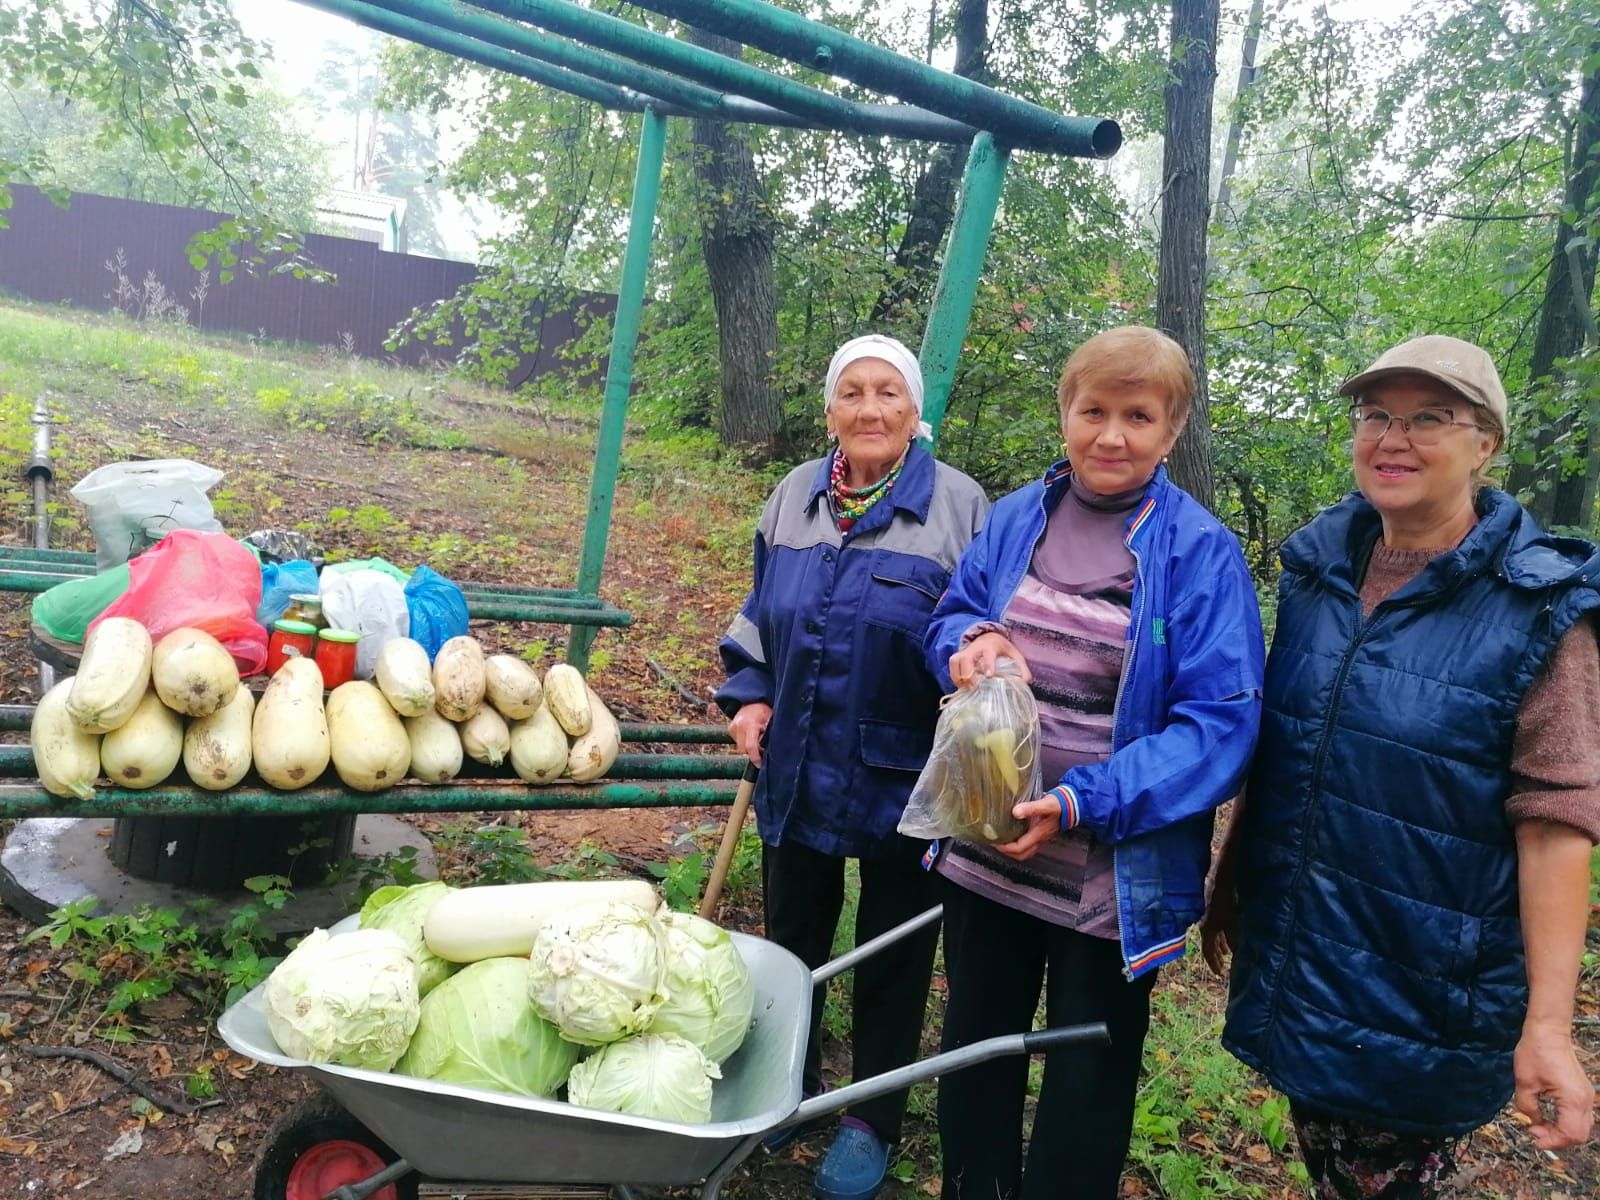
[(717, 71), (17, 762), (487, 605), (959, 274), (619, 371), (610, 81), (1017, 123), (390, 19), (30, 800)]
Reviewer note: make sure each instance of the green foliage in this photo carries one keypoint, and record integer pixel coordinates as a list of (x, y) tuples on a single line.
[(1198, 1112), (86, 153), (173, 77), (122, 960)]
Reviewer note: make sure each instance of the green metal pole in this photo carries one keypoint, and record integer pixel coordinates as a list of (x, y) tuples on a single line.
[(959, 274), (823, 48), (716, 71), (619, 374), (18, 800)]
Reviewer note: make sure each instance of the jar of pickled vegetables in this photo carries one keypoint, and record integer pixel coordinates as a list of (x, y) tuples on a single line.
[(307, 607)]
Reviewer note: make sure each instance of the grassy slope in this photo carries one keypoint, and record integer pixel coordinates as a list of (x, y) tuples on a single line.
[(423, 468)]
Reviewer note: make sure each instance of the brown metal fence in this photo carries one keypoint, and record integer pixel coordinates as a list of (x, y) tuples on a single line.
[(93, 252)]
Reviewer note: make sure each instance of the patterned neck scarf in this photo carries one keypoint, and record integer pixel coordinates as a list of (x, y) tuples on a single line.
[(851, 504)]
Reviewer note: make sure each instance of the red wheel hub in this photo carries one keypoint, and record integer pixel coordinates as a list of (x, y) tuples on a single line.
[(330, 1165)]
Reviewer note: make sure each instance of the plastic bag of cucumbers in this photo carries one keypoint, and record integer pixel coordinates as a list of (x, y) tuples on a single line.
[(985, 760)]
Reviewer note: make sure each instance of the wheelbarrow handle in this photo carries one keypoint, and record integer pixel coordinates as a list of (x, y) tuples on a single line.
[(1041, 1040), (943, 1064), (868, 948)]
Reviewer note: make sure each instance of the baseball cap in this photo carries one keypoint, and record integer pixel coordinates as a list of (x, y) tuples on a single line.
[(1459, 365)]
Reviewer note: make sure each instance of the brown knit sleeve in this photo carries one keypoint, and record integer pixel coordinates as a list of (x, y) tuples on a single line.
[(1555, 758)]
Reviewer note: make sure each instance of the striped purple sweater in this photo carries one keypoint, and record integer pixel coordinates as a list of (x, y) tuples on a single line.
[(1069, 619)]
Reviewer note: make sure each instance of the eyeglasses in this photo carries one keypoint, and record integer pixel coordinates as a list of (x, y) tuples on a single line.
[(1425, 427)]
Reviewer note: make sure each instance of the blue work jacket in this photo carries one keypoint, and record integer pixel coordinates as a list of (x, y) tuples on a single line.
[(1378, 967), (1187, 707), (831, 637)]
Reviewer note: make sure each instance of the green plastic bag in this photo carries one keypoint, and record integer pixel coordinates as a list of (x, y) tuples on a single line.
[(64, 612)]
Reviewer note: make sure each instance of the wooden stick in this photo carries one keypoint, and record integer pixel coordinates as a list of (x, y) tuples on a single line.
[(120, 1073)]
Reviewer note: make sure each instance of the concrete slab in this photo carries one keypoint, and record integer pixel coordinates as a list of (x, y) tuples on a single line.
[(48, 862)]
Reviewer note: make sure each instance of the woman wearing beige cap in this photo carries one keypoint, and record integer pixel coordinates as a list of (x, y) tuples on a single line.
[(1405, 888)]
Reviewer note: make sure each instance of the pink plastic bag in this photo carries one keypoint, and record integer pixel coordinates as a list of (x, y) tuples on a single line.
[(196, 580)]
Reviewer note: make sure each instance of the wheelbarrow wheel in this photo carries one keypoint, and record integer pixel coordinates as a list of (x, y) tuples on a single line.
[(316, 1147)]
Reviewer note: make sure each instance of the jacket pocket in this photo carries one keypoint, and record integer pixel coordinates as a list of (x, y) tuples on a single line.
[(904, 591), (895, 747)]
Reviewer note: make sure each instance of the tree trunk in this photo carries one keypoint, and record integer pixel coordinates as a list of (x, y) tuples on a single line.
[(1185, 211), (736, 237), (1565, 324), (1247, 78), (933, 203)]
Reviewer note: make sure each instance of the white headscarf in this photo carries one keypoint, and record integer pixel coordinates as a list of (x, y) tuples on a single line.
[(876, 345)]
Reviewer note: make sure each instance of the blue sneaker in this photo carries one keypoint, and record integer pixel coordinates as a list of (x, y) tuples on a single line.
[(855, 1164)]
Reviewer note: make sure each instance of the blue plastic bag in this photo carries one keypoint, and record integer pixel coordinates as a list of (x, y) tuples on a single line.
[(279, 581), (438, 609)]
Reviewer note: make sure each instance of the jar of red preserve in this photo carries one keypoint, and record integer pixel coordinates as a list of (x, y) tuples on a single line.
[(290, 639), (336, 655)]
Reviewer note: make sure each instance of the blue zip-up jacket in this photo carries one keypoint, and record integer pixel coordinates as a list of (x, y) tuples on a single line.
[(831, 637), (1187, 708), (1378, 970)]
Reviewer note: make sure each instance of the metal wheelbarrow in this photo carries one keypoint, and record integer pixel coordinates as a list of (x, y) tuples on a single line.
[(389, 1137)]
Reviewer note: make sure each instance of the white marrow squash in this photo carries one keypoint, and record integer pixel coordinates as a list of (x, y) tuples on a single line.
[(435, 747), (193, 672), (501, 920), (66, 758), (113, 673), (216, 749), (513, 686), (486, 738), (144, 749), (538, 748), (564, 696), (458, 679), (289, 736), (405, 676), (369, 744), (592, 754)]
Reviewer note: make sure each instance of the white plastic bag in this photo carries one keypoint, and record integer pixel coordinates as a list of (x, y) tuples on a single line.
[(133, 505), (369, 603), (985, 760)]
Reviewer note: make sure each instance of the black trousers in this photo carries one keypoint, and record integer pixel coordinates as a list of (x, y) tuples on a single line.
[(996, 959), (803, 892)]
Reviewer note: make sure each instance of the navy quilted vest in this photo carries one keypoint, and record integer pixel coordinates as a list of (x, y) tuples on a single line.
[(1379, 971)]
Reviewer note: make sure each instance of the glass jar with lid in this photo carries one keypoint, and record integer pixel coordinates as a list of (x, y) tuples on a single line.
[(336, 656), (290, 639), (307, 607)]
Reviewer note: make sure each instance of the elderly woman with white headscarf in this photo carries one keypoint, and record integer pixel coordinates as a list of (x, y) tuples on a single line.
[(829, 694)]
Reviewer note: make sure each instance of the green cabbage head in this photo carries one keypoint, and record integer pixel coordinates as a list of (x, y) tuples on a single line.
[(478, 1029), (709, 993), (400, 910), (657, 1075), (597, 971), (350, 999)]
